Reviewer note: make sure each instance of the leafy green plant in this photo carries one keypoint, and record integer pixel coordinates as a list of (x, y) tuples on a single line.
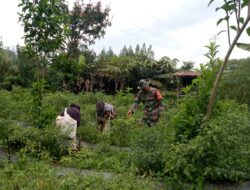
[(7, 128), (187, 118), (89, 134), (220, 152), (44, 143), (30, 174), (37, 95), (121, 130), (12, 107), (149, 145), (124, 97), (230, 8)]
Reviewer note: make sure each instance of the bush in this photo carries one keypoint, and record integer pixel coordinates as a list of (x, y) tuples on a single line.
[(57, 101), (37, 175), (89, 134), (39, 143), (121, 132), (15, 105), (220, 153), (149, 145), (186, 119)]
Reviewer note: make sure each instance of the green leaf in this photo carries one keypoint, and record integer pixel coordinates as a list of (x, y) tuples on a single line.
[(248, 31), (218, 8), (242, 20), (211, 1), (219, 21), (81, 60), (220, 32), (229, 6), (243, 46), (245, 3), (233, 27)]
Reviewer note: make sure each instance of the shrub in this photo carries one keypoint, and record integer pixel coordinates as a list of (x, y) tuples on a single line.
[(44, 143), (38, 175), (89, 133), (186, 119), (149, 144), (121, 132), (220, 153)]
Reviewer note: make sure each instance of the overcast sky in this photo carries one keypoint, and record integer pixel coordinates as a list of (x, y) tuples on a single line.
[(177, 29)]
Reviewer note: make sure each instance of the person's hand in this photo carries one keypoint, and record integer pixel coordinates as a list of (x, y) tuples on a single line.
[(129, 114), (161, 110)]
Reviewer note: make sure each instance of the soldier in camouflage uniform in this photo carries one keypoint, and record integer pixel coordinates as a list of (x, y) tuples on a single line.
[(152, 100)]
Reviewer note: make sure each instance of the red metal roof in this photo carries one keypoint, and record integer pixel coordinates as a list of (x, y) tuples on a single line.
[(187, 73)]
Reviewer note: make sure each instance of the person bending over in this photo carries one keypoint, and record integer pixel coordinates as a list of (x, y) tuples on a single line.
[(104, 113), (68, 121)]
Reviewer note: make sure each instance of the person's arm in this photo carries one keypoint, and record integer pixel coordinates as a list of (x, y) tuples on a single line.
[(159, 99), (113, 113), (134, 106), (78, 118), (78, 123)]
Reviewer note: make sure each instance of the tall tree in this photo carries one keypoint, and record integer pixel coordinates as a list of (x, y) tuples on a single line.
[(137, 49), (110, 52), (130, 51), (187, 65), (118, 68), (44, 28), (164, 69), (124, 51), (44, 33), (43, 24), (87, 23), (150, 52)]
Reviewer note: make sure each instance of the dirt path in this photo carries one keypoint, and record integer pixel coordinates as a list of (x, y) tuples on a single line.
[(85, 144)]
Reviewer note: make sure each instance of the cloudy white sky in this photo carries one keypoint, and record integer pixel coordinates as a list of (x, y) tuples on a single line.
[(178, 29)]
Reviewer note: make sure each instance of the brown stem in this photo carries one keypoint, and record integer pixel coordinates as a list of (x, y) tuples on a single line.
[(228, 28), (216, 83), (237, 15), (248, 12)]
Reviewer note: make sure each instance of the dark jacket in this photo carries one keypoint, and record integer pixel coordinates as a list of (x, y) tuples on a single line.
[(73, 112)]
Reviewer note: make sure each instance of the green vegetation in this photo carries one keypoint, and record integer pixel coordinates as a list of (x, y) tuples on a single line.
[(47, 74), (178, 149), (28, 174)]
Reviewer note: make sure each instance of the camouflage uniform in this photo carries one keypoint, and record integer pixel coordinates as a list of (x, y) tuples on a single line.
[(153, 105)]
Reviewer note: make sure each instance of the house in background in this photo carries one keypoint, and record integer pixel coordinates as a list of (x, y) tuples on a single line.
[(184, 79)]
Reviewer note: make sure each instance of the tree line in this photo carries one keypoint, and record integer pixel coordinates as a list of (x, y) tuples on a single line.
[(106, 72), (56, 50)]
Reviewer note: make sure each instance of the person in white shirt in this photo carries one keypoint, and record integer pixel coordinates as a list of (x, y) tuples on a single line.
[(68, 121)]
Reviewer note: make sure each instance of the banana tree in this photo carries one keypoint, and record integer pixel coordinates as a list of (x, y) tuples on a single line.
[(118, 68)]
